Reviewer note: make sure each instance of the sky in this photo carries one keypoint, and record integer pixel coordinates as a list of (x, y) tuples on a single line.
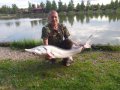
[(24, 3)]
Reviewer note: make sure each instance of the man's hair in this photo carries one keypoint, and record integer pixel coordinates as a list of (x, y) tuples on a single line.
[(49, 15), (53, 11)]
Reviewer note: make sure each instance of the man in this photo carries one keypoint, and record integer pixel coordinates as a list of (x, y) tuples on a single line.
[(56, 34)]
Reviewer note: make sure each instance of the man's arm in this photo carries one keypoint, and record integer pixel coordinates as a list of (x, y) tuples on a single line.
[(45, 35), (66, 32), (45, 41), (49, 55)]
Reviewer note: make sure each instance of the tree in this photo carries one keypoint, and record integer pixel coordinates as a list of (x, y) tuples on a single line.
[(4, 9), (42, 5), (116, 4), (112, 5), (119, 3), (88, 5), (96, 7), (102, 7), (54, 6), (60, 6), (71, 6), (14, 8), (82, 5), (78, 7), (65, 7), (33, 6), (48, 6), (29, 6)]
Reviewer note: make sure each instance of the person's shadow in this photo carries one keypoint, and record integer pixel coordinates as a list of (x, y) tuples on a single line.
[(39, 68)]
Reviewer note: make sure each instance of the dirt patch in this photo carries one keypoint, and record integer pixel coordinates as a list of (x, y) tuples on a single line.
[(8, 53)]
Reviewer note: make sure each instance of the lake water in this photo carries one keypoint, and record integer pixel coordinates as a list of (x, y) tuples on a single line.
[(105, 30)]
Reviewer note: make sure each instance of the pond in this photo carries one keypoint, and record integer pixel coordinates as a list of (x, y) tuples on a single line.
[(104, 28)]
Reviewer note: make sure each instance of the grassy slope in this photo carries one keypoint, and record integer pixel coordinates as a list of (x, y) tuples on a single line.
[(90, 71)]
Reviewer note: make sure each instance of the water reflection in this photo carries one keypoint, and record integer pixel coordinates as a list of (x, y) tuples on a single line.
[(81, 18), (9, 24), (63, 19), (34, 23), (38, 22), (71, 19), (17, 23), (79, 25)]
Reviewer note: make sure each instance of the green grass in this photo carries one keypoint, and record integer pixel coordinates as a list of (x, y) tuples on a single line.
[(90, 71), (32, 43), (22, 44), (106, 47), (25, 44)]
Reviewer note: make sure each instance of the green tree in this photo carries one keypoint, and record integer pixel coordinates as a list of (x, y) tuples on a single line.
[(88, 5), (42, 5), (29, 6), (112, 4), (5, 9), (54, 6), (48, 6), (14, 8), (116, 4), (82, 5), (102, 7), (96, 7), (78, 7), (119, 3), (71, 6), (60, 6), (65, 7)]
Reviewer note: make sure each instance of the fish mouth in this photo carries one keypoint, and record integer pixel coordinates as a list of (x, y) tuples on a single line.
[(29, 50)]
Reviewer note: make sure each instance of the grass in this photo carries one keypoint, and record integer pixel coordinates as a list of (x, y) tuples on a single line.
[(22, 44), (25, 44), (32, 43), (90, 71), (95, 69), (107, 47)]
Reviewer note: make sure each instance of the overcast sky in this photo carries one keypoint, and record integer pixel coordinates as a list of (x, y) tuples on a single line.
[(24, 3)]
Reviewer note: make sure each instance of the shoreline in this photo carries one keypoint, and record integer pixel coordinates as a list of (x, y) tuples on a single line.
[(7, 16), (6, 53)]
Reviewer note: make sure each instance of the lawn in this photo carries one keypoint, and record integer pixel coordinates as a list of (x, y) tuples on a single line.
[(91, 70)]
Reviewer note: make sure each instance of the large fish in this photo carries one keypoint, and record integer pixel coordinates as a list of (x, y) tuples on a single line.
[(55, 52)]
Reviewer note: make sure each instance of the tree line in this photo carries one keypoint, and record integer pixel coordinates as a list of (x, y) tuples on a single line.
[(9, 10), (63, 7)]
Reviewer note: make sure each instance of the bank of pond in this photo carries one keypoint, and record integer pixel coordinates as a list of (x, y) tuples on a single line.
[(32, 43)]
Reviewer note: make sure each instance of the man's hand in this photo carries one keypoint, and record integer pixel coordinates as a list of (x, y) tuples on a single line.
[(48, 57), (87, 45)]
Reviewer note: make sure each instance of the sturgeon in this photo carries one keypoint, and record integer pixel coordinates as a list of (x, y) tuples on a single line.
[(56, 52)]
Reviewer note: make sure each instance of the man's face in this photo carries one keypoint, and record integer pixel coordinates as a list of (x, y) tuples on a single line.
[(54, 18)]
